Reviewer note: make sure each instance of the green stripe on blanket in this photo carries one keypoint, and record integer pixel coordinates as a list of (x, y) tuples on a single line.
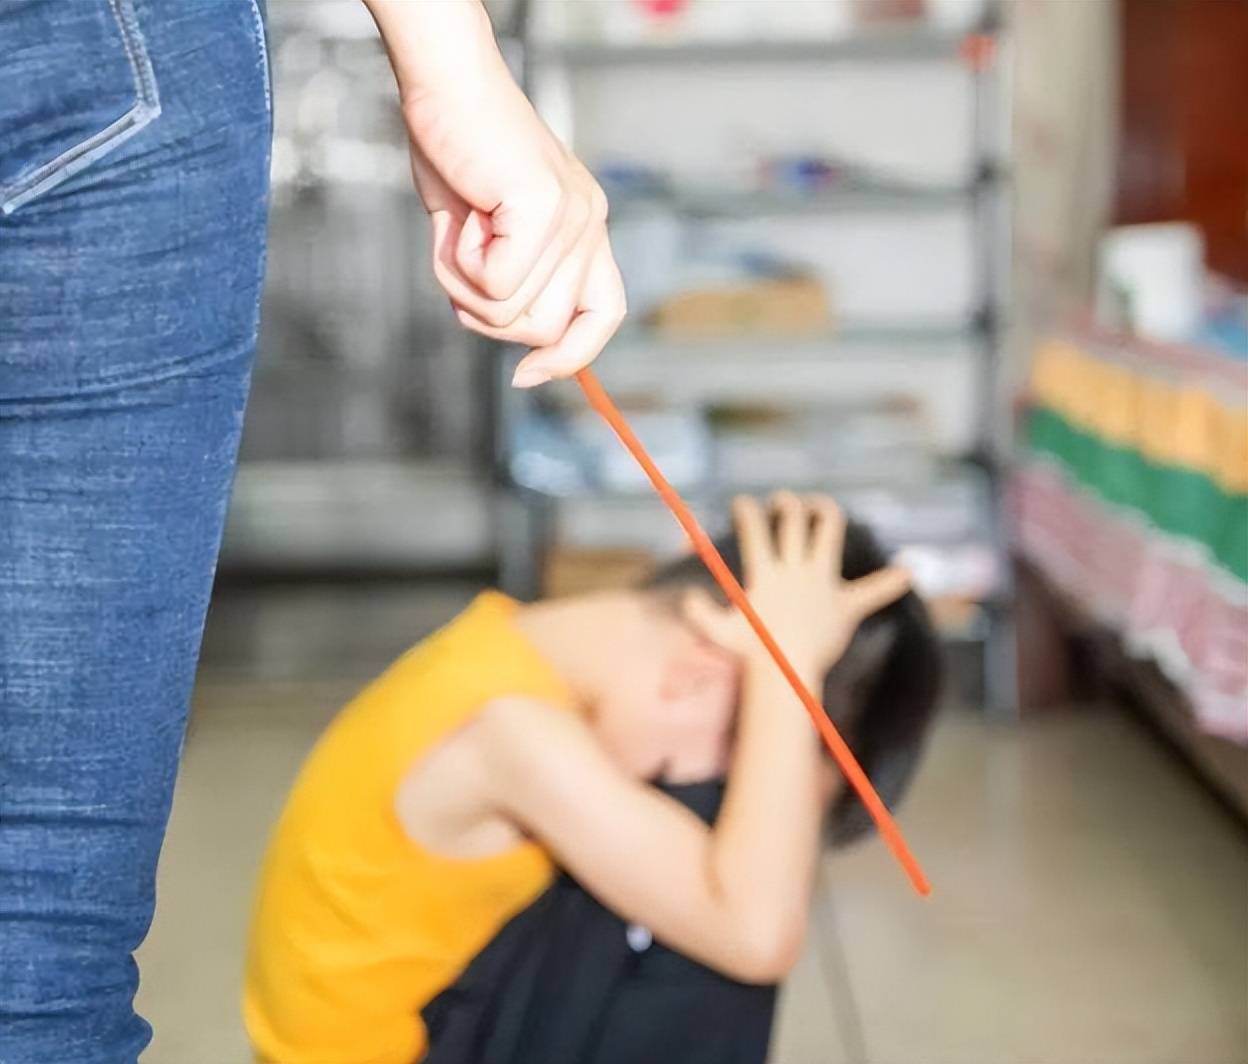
[(1178, 501)]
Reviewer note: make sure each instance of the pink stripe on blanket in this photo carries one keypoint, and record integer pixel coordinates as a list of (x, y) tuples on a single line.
[(1159, 593)]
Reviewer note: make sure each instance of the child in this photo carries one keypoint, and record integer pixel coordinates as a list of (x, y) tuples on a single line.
[(568, 980), (434, 808)]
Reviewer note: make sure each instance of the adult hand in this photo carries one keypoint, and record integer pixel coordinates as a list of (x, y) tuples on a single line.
[(519, 225)]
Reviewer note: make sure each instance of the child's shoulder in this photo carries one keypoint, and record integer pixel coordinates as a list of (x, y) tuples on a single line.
[(476, 666), (525, 738)]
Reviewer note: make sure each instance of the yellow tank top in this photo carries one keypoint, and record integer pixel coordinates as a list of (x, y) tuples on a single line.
[(355, 927)]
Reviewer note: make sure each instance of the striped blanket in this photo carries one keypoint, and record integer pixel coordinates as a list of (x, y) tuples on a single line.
[(1131, 495)]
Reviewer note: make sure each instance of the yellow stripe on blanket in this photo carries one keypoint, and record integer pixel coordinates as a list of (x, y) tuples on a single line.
[(1184, 426)]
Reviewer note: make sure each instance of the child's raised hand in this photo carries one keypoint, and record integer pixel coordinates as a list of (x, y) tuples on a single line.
[(791, 556)]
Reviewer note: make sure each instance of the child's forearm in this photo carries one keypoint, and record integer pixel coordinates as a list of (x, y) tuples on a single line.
[(734, 897), (714, 895), (765, 842)]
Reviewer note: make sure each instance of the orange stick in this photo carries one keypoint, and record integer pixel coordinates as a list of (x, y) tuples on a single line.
[(712, 559)]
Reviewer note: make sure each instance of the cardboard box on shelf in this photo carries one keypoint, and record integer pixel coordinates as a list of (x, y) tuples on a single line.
[(579, 570), (953, 613), (784, 306)]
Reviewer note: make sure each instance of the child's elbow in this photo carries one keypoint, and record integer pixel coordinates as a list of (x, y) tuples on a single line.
[(767, 955)]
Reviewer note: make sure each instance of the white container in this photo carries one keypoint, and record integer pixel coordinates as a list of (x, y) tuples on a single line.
[(955, 15), (1150, 279)]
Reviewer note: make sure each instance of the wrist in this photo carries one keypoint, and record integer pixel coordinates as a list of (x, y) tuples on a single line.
[(759, 665), (441, 46)]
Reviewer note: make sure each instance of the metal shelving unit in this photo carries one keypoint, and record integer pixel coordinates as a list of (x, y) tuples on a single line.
[(849, 195), (724, 370), (892, 42), (363, 449), (796, 370)]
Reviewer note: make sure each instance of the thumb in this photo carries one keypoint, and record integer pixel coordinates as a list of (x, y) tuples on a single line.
[(876, 590)]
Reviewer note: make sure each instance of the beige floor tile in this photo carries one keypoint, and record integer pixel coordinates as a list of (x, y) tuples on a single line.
[(243, 752), (1090, 907)]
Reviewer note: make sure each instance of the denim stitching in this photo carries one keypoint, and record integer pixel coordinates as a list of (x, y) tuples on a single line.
[(81, 155), (262, 42), (136, 52)]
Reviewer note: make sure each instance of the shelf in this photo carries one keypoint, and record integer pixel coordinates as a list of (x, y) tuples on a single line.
[(713, 489), (958, 475), (847, 196), (796, 368), (855, 339), (378, 515), (891, 43), (951, 506), (945, 524)]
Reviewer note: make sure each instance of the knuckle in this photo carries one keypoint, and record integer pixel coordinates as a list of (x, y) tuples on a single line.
[(545, 337), (554, 210), (546, 197), (580, 211), (509, 311), (599, 207), (444, 277), (496, 314), (546, 330), (498, 288), (493, 312), (472, 324)]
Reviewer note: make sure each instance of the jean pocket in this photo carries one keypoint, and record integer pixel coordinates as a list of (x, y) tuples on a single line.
[(77, 82)]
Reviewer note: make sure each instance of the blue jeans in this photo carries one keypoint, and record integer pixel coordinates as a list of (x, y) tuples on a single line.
[(134, 145)]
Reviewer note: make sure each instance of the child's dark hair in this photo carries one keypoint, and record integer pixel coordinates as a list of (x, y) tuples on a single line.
[(882, 694)]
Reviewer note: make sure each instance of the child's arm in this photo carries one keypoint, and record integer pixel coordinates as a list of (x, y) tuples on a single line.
[(718, 895), (735, 896)]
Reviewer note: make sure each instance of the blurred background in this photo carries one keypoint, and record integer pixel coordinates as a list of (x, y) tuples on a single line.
[(978, 268)]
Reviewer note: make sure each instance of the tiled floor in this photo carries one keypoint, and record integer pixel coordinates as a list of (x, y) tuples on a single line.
[(1091, 902)]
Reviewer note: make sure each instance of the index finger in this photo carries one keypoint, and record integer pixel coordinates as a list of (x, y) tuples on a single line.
[(753, 536), (599, 313)]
